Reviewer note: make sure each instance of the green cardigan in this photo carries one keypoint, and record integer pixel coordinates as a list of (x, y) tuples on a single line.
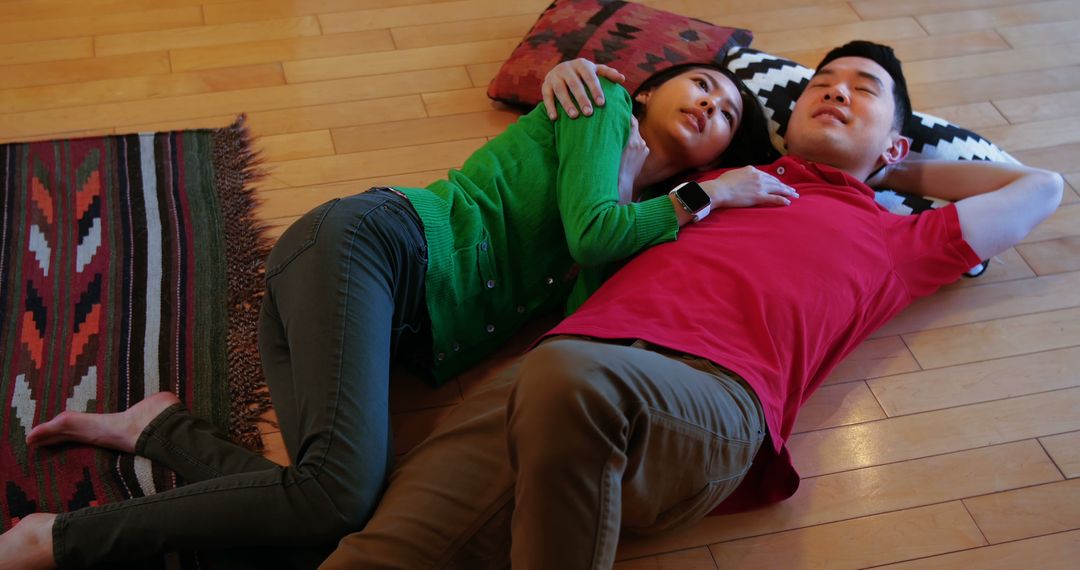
[(507, 232)]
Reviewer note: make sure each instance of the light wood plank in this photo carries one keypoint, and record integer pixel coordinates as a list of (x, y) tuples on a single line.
[(986, 302), (50, 50), (230, 102), (788, 18), (994, 63), (1002, 16), (1054, 552), (956, 91), (1040, 107), (78, 26), (59, 135), (977, 382), (473, 100), (838, 405), (428, 14), (422, 131), (295, 145), (869, 491), (287, 49), (482, 73), (702, 9), (829, 36), (921, 48), (877, 9), (1007, 266), (1037, 134), (1064, 449), (971, 115), (29, 10), (378, 163), (1029, 512), (290, 202), (253, 10), (79, 70), (1040, 34), (875, 357), (867, 541), (694, 559), (996, 338), (338, 115), (427, 35), (400, 60), (943, 431), (1052, 256), (139, 88), (200, 36), (1058, 158)]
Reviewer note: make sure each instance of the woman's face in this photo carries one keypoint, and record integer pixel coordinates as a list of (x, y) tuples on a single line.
[(691, 118)]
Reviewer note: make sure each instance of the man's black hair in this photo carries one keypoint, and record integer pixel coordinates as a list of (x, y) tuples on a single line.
[(883, 56)]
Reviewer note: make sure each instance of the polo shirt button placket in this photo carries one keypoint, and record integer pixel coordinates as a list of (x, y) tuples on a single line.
[(780, 171)]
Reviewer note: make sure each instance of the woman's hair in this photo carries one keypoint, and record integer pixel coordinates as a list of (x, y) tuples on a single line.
[(750, 145)]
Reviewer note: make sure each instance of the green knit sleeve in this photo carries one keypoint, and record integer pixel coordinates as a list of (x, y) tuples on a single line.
[(598, 229)]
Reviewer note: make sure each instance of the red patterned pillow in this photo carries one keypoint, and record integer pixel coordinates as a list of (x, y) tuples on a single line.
[(635, 39)]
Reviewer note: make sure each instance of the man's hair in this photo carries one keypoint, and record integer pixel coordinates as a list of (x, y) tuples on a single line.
[(883, 56), (750, 144)]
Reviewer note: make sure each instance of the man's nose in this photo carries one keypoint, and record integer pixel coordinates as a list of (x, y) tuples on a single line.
[(836, 94)]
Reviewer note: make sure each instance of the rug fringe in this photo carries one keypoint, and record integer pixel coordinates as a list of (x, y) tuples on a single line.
[(237, 166)]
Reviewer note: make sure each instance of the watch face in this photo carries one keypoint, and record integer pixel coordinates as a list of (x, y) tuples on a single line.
[(693, 196)]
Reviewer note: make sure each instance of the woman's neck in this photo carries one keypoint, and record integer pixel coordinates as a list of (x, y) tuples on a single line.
[(657, 168)]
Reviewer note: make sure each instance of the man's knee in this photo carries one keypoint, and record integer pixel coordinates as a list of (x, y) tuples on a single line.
[(559, 377)]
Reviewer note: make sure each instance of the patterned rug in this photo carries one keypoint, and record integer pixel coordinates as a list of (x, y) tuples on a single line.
[(128, 265)]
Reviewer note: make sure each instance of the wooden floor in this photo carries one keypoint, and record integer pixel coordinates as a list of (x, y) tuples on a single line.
[(951, 439)]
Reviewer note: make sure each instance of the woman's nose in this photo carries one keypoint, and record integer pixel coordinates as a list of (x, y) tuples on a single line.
[(708, 105)]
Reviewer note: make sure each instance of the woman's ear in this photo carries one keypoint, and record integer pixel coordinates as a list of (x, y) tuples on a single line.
[(643, 97)]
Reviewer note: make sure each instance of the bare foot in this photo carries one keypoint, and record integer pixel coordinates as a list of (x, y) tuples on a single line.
[(117, 431), (28, 545)]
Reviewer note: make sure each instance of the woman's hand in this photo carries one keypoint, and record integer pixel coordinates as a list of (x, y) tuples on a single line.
[(747, 186), (633, 158), (566, 82)]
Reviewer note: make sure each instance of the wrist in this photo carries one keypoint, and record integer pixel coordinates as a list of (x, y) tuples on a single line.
[(692, 199)]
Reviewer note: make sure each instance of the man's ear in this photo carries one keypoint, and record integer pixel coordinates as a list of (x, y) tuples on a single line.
[(897, 150)]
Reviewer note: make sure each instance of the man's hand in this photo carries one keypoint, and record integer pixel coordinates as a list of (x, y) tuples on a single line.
[(633, 158), (567, 83), (747, 186)]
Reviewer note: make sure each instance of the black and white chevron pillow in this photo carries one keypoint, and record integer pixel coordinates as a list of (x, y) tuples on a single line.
[(778, 82)]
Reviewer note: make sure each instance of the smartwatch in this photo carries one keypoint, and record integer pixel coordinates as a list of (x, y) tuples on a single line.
[(693, 199)]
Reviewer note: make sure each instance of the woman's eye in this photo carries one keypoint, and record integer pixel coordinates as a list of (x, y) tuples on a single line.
[(701, 83), (729, 117)]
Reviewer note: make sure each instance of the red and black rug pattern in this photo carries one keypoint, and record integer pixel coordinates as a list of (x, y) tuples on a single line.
[(129, 265)]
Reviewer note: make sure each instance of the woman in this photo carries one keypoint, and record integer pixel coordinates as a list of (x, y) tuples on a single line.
[(448, 272)]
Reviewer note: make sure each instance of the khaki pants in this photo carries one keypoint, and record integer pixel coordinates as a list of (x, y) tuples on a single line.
[(549, 462)]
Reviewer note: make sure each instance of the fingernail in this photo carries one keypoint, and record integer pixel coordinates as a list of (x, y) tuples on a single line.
[(587, 110), (572, 113), (599, 100)]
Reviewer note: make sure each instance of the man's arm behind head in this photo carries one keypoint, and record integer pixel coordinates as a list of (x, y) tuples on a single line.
[(998, 204)]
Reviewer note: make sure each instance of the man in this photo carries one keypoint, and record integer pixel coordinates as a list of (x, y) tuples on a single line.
[(674, 388)]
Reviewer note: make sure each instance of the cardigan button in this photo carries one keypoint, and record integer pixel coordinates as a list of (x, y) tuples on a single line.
[(441, 356), (521, 309), (483, 246), (490, 328), (455, 347), (491, 284), (550, 280)]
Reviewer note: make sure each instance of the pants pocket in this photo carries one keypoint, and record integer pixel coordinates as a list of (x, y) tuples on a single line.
[(300, 236)]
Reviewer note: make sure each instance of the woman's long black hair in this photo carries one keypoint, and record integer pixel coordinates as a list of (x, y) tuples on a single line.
[(750, 145)]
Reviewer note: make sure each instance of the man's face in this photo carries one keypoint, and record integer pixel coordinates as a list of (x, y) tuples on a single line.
[(844, 118)]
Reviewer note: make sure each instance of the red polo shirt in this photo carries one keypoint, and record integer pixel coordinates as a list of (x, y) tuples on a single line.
[(781, 295)]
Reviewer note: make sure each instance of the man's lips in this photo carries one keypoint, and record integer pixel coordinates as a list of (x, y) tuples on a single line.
[(698, 116), (831, 112)]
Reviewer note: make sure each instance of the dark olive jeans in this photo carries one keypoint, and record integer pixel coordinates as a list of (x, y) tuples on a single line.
[(343, 284)]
